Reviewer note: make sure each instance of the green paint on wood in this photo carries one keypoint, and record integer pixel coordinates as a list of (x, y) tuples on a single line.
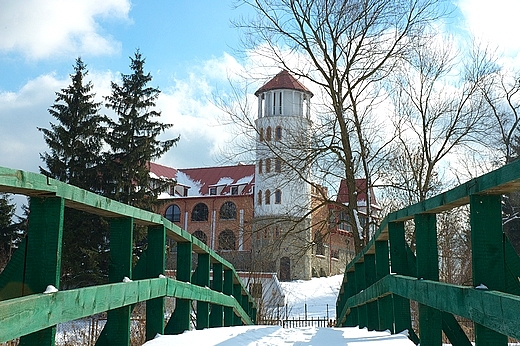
[(216, 318), (453, 331), (370, 277), (430, 320), (488, 257), (155, 266), (385, 304), (399, 263), (43, 261), (203, 279), (228, 290), (180, 319), (11, 278), (361, 285)]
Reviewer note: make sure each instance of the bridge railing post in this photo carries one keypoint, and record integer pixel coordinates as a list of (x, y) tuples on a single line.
[(385, 304), (228, 289), (402, 315), (359, 271), (487, 255), (155, 266), (43, 261), (216, 315), (372, 308), (430, 319), (203, 278), (180, 318), (352, 318)]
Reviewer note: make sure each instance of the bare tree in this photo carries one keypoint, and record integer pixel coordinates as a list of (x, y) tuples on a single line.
[(436, 114), (346, 49)]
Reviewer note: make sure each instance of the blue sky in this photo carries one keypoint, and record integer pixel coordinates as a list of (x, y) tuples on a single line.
[(189, 48)]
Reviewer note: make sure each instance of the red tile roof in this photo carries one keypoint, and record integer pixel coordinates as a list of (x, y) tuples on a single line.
[(207, 177), (283, 80)]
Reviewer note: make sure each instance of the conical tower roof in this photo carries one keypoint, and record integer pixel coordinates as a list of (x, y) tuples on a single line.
[(283, 80)]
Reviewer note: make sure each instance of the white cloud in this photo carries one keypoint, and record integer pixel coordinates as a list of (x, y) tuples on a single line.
[(41, 29), (493, 22), (21, 113)]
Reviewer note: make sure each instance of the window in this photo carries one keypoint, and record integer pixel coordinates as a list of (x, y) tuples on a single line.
[(259, 198), (212, 191), (318, 240), (226, 240), (228, 211), (267, 197), (267, 165), (280, 103), (261, 134), (200, 212), (256, 290), (278, 165), (278, 197), (277, 232), (278, 133), (200, 236), (173, 213), (344, 221), (260, 164), (268, 134), (234, 190)]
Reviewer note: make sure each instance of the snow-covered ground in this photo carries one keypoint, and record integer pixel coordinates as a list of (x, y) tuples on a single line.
[(318, 295)]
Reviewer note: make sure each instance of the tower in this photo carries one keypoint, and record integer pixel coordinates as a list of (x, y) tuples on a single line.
[(282, 193)]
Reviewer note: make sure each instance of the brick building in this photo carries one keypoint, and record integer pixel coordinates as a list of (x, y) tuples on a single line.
[(263, 217)]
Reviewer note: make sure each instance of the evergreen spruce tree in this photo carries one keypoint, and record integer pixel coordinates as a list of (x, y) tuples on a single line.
[(133, 138), (6, 230), (75, 144)]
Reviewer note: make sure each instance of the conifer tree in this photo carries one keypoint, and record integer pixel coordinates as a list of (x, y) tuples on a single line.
[(75, 144), (133, 138)]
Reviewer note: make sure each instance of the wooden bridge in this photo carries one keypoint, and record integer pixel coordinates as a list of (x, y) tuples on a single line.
[(380, 282), (31, 315), (376, 292)]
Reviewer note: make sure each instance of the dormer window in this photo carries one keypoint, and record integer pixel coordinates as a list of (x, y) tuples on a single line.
[(234, 190), (212, 191)]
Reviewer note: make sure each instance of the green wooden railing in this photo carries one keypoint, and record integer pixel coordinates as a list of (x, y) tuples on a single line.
[(380, 282), (29, 314)]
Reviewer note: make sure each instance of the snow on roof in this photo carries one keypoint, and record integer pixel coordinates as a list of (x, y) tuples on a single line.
[(199, 180)]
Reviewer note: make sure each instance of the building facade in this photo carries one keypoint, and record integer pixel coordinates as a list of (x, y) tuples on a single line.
[(265, 217)]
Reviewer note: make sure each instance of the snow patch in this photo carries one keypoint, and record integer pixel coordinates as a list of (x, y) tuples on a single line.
[(50, 289)]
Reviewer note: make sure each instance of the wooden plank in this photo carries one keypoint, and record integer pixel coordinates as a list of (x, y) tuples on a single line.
[(427, 260), (155, 266), (217, 312), (43, 261), (488, 257), (203, 280), (11, 278), (495, 310)]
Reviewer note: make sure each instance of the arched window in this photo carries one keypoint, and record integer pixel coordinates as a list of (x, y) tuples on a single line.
[(278, 165), (267, 197), (259, 198), (226, 240), (200, 236), (267, 165), (261, 134), (268, 133), (278, 133), (200, 212), (278, 197), (260, 164), (173, 213), (228, 211)]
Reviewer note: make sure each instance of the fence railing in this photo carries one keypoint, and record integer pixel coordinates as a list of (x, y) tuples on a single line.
[(380, 282), (31, 315)]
